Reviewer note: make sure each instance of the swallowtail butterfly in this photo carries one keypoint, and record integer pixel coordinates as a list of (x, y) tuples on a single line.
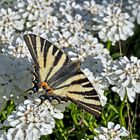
[(60, 78)]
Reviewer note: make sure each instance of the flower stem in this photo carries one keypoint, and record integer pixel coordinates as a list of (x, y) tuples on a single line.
[(129, 121), (120, 48)]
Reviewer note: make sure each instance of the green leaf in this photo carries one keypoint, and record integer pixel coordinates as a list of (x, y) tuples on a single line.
[(116, 55)]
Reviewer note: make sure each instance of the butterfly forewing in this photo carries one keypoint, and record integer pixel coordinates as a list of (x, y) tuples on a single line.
[(62, 75), (46, 56)]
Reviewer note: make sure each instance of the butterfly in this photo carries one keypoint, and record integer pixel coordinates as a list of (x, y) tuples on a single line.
[(60, 78)]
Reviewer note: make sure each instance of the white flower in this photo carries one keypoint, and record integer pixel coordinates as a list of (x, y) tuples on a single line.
[(77, 57), (46, 26), (73, 24), (91, 46), (62, 39), (86, 45), (33, 10), (125, 77), (30, 121), (135, 7), (91, 6), (66, 7), (10, 21), (114, 25), (18, 49), (112, 132)]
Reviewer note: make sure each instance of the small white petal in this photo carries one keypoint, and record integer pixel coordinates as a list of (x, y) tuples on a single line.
[(117, 127), (58, 116), (119, 72), (131, 94), (19, 135), (14, 123), (126, 83), (110, 125), (137, 87)]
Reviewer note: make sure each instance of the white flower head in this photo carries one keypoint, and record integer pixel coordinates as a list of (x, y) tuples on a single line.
[(91, 6), (30, 121), (67, 6), (114, 25), (125, 77), (135, 9), (10, 21), (33, 10), (62, 39), (112, 132), (73, 24), (88, 46), (91, 46), (46, 26)]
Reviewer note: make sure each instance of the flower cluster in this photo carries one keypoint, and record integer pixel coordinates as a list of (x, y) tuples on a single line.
[(53, 19), (112, 132), (10, 21), (125, 77), (30, 121), (79, 28), (115, 25), (92, 6), (134, 5), (31, 10)]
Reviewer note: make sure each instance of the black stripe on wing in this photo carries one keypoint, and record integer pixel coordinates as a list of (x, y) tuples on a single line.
[(91, 108), (66, 72), (60, 72), (45, 50), (61, 61), (30, 41), (88, 93)]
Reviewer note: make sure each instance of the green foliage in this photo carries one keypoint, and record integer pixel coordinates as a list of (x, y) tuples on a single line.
[(8, 107)]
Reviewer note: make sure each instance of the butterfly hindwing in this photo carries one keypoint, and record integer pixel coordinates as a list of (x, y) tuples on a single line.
[(85, 96), (62, 75), (80, 91)]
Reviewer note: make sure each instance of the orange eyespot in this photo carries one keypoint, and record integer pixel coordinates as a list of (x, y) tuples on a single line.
[(50, 90), (44, 85)]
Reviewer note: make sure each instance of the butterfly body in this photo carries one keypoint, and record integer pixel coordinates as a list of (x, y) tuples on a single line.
[(59, 78)]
